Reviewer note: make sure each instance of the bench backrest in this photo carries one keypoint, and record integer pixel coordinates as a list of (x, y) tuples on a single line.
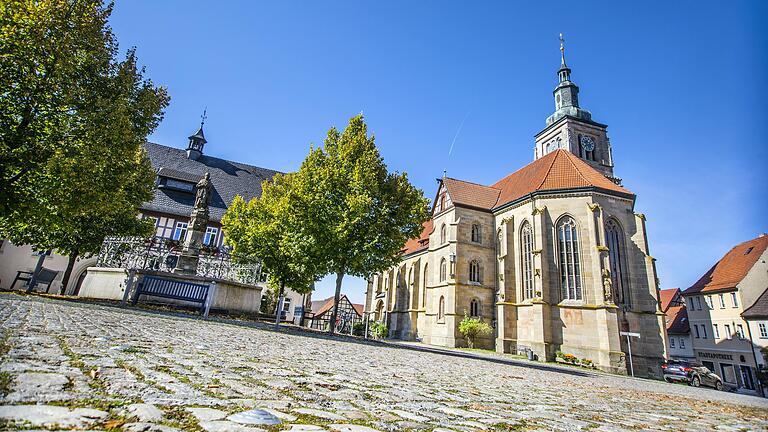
[(175, 289), (46, 276)]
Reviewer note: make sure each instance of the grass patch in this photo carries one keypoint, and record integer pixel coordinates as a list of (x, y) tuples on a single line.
[(177, 416), (5, 383)]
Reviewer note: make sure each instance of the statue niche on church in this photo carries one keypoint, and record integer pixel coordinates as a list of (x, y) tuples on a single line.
[(607, 286)]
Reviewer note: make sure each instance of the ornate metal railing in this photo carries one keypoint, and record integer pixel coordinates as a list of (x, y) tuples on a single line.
[(161, 254)]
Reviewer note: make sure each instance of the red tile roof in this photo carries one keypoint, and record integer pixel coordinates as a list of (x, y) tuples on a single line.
[(558, 170), (471, 194), (421, 243), (732, 268), (327, 304), (677, 320), (666, 296)]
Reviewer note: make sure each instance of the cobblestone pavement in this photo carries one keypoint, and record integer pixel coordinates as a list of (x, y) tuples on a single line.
[(78, 366)]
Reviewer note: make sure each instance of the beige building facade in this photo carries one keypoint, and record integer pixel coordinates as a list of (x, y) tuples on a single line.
[(716, 302), (553, 255)]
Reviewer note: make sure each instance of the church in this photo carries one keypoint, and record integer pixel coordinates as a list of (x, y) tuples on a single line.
[(554, 256)]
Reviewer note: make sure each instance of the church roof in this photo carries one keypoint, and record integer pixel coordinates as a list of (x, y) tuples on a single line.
[(228, 179), (559, 170), (421, 243), (732, 268)]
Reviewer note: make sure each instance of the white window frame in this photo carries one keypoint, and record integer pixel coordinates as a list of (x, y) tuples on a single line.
[(722, 301), (682, 343), (671, 342), (181, 227), (716, 331), (211, 232), (698, 302), (734, 299), (762, 328), (728, 334), (740, 331), (708, 299)]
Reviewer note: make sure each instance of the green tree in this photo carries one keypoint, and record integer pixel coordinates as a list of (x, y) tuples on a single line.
[(471, 328), (357, 214), (268, 228), (72, 123)]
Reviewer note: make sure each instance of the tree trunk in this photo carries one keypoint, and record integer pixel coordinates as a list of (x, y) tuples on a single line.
[(335, 313), (279, 311), (68, 272)]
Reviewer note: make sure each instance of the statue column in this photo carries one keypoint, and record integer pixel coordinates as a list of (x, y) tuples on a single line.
[(190, 253)]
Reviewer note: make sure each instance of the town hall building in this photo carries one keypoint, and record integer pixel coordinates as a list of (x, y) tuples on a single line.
[(554, 256)]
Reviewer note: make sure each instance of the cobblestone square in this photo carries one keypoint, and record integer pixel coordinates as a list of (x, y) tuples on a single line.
[(69, 365)]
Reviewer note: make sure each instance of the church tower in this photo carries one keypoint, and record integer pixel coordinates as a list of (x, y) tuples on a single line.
[(571, 128), (197, 141)]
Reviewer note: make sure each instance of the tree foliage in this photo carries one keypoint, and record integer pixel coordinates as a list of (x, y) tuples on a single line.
[(357, 214), (269, 228), (72, 123), (471, 328)]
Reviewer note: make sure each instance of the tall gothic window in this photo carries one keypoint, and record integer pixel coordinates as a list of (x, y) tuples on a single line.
[(474, 271), (570, 272), (616, 255), (526, 251), (474, 308), (441, 310), (442, 234), (424, 286), (476, 235), (443, 270)]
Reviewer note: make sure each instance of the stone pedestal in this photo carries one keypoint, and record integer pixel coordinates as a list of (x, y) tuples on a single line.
[(190, 254)]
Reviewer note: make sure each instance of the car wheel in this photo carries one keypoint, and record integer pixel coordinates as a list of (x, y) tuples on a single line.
[(719, 386), (667, 380), (695, 381)]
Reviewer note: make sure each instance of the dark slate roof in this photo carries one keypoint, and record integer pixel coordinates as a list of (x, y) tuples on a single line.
[(759, 309), (228, 179)]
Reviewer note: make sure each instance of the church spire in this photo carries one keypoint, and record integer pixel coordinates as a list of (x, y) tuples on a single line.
[(197, 141), (564, 73)]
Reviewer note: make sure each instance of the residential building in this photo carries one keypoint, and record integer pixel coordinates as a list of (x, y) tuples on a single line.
[(348, 315), (715, 306), (756, 317), (679, 344), (554, 255), (178, 171)]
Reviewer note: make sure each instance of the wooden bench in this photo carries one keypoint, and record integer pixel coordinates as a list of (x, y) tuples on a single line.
[(174, 289), (44, 277)]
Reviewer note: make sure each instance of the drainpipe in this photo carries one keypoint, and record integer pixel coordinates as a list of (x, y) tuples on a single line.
[(754, 356)]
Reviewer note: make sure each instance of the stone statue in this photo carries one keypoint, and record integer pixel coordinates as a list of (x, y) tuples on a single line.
[(203, 192), (607, 285)]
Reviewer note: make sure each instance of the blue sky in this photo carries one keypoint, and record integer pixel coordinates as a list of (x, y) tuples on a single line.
[(680, 85)]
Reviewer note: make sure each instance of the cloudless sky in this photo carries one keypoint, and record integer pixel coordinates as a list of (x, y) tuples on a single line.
[(680, 84)]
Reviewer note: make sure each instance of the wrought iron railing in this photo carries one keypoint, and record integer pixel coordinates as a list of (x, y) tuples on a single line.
[(160, 254)]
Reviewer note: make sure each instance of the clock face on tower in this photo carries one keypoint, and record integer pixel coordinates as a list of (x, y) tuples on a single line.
[(587, 143)]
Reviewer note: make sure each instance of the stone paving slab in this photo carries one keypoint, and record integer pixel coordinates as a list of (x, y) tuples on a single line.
[(67, 366)]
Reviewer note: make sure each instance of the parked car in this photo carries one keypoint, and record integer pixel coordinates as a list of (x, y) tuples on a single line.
[(695, 374)]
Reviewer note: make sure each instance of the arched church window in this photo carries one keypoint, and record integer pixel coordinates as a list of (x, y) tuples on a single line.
[(441, 310), (474, 271), (570, 267), (476, 235), (614, 238), (526, 255), (442, 234), (424, 286), (443, 270), (474, 308)]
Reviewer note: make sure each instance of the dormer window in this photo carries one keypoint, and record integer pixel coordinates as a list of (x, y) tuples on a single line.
[(179, 185)]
